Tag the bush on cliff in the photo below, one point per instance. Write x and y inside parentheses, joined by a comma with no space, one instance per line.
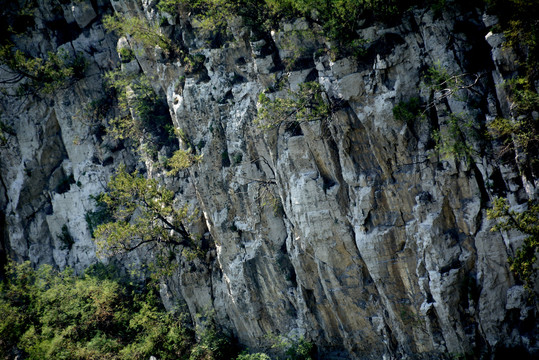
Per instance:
(48,314)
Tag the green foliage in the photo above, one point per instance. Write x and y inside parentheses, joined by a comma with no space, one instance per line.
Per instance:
(18,16)
(99,216)
(438,78)
(237,158)
(211,15)
(5,131)
(126,55)
(523,95)
(526,222)
(142,213)
(407,111)
(294,348)
(456,131)
(180,160)
(520,133)
(338,18)
(56,315)
(518,20)
(454,140)
(138,29)
(212,344)
(169,6)
(300,350)
(306,104)
(193,63)
(38,75)
(255,356)
(144,115)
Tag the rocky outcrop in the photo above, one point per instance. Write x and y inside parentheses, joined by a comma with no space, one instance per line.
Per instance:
(350,232)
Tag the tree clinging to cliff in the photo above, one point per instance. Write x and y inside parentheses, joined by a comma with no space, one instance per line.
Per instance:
(142,213)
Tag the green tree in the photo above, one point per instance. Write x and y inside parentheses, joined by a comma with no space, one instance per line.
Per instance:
(255,356)
(143,212)
(40,75)
(56,315)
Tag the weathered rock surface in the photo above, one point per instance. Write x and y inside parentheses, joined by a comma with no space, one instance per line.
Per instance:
(349,232)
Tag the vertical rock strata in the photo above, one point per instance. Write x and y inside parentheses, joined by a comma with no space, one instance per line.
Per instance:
(349,232)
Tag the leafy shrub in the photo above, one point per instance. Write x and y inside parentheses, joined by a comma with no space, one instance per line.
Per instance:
(138,29)
(180,160)
(126,54)
(193,63)
(521,132)
(306,104)
(438,78)
(454,140)
(518,20)
(293,348)
(169,6)
(144,113)
(338,18)
(99,216)
(526,222)
(56,315)
(255,356)
(407,111)
(212,344)
(300,350)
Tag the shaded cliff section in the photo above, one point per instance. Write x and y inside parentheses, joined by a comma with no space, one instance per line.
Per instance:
(350,232)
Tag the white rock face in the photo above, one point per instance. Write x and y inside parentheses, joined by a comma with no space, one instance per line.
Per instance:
(349,232)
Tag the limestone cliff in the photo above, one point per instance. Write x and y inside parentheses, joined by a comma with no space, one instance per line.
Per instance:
(350,231)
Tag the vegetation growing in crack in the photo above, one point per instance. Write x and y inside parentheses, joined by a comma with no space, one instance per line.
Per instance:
(144,116)
(140,30)
(455,140)
(520,134)
(408,111)
(24,71)
(456,133)
(526,222)
(6,131)
(180,160)
(308,103)
(518,21)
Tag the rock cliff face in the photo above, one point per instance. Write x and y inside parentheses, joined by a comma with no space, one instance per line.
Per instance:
(348,231)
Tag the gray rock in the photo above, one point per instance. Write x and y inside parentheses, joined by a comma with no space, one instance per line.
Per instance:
(350,231)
